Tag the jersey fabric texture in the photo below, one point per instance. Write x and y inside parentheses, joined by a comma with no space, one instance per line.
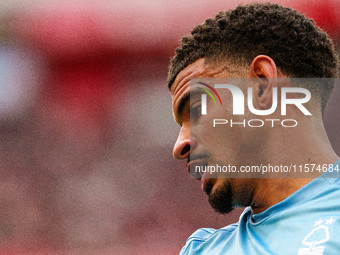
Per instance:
(306,222)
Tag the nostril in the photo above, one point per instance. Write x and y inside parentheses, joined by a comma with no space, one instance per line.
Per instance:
(185,149)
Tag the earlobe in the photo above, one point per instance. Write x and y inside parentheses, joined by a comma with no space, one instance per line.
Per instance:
(264,74)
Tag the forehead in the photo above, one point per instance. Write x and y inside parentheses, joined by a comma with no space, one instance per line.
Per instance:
(181,85)
(198,69)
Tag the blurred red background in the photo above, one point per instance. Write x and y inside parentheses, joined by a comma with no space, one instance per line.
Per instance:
(87,131)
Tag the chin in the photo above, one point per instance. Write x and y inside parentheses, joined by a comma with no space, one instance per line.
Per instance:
(221,199)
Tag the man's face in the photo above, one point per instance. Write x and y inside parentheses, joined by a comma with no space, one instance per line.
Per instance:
(201,144)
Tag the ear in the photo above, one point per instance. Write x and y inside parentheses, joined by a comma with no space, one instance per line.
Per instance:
(264,73)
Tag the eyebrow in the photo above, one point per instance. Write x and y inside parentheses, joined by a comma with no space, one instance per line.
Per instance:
(184,100)
(182,103)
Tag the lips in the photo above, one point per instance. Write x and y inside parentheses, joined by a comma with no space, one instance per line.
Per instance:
(195,168)
(207,185)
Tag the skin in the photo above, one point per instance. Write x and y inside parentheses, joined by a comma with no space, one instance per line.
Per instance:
(264,145)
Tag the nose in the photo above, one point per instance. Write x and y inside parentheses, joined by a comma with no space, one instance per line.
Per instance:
(183,145)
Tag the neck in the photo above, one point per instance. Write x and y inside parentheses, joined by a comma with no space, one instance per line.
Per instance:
(306,144)
(273,191)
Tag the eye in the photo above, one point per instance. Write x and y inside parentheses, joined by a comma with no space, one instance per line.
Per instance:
(195,111)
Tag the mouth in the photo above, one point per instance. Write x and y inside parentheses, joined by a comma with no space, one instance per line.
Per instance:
(198,171)
(207,185)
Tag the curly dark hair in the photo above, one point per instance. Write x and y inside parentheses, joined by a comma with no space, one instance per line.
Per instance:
(299,48)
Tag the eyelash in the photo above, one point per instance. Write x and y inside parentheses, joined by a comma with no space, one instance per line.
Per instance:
(195,112)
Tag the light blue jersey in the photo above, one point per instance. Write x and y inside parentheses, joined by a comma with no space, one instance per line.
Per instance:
(307,222)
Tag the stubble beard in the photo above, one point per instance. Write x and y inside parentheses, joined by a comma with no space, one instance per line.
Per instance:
(222,199)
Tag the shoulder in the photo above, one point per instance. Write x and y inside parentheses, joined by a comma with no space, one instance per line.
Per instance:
(203,239)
